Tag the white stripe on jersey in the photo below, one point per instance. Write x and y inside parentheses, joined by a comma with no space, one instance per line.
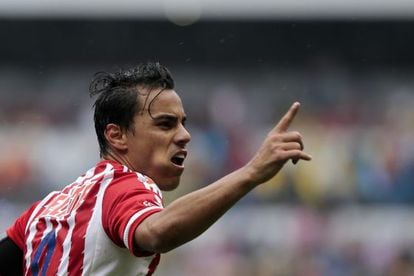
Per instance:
(134,218)
(64,265)
(49,226)
(93,226)
(87,175)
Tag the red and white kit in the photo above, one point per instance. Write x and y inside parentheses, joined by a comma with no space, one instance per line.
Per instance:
(88,227)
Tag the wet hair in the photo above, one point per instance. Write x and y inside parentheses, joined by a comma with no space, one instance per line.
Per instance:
(118,101)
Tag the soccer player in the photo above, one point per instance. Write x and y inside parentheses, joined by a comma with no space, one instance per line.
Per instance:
(112,220)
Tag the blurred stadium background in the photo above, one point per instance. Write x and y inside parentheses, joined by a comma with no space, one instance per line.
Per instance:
(238,67)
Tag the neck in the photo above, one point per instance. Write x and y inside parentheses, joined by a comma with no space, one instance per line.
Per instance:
(118,158)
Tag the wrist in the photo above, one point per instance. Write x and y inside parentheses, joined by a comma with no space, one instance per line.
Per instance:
(249,176)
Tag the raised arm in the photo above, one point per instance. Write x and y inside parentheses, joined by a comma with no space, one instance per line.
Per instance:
(189,216)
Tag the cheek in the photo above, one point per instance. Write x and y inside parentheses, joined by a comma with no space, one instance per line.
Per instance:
(150,147)
(153,150)
(141,147)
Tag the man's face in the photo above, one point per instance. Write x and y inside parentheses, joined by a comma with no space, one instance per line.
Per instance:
(156,147)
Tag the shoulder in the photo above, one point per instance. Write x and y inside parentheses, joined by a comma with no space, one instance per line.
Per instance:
(125,181)
(123,174)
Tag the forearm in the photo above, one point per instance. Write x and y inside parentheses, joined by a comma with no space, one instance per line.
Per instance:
(189,216)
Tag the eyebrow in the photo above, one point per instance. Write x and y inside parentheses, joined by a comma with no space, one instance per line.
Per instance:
(169,117)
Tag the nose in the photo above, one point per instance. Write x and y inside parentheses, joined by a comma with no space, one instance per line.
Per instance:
(183,137)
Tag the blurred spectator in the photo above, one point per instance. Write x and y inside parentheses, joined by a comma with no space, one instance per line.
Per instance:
(359,129)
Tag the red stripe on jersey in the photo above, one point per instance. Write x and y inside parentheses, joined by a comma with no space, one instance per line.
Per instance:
(62,231)
(40,229)
(153,265)
(82,218)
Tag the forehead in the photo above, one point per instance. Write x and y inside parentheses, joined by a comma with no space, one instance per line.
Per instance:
(166,101)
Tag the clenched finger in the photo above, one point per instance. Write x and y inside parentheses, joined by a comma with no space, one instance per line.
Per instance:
(296,154)
(292,146)
(292,136)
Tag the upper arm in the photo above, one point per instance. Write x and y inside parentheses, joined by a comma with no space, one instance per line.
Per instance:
(127,203)
(147,236)
(11,258)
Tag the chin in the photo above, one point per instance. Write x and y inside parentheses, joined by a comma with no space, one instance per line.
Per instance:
(168,185)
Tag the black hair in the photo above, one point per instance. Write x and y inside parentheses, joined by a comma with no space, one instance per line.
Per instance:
(117,101)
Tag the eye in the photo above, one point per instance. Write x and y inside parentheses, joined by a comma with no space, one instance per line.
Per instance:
(166,125)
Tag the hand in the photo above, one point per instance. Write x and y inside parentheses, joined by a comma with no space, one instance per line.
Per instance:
(278,147)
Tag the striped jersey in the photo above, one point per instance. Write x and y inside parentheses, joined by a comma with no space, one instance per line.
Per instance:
(88,227)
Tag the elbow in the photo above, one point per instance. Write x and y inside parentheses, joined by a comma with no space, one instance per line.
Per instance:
(159,244)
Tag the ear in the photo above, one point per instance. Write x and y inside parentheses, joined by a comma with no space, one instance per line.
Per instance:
(116,137)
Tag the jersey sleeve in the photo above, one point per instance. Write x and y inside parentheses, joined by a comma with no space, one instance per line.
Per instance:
(16,231)
(127,201)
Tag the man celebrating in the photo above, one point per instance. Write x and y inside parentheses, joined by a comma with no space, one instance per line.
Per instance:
(111,220)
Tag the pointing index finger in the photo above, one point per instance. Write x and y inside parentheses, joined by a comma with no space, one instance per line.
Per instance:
(287,119)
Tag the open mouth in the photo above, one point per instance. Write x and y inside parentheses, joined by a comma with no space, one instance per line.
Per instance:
(178,159)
